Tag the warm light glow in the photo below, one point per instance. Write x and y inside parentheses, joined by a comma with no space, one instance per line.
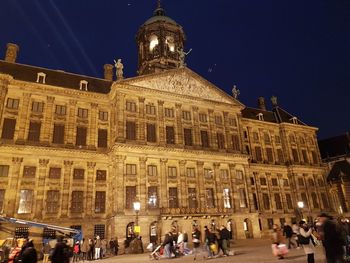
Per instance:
(153,42)
(301,204)
(137,205)
(170,42)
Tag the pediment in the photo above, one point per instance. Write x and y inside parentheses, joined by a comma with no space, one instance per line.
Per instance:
(184,82)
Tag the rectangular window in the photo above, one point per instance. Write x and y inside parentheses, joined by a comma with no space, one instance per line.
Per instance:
(224,175)
(285,182)
(289,201)
(280,156)
(295,155)
(270,223)
(267,138)
(29,171)
(101,175)
(150,109)
(305,158)
(169,112)
(37,106)
(300,181)
(52,201)
(153,197)
(208,174)
(58,133)
(277,139)
(266,201)
(82,113)
(255,136)
(170,135)
(131,106)
(2,199)
(60,110)
(103,115)
(274,182)
(130,130)
(172,172)
(4,170)
(34,131)
(81,136)
(49,233)
(55,173)
(100,202)
(252,181)
(255,202)
(239,174)
(192,198)
(8,129)
(151,132)
(12,103)
(278,201)
(232,122)
(258,153)
(210,197)
(102,138)
(320,182)
(204,139)
(304,199)
(78,174)
(22,232)
(100,230)
(242,198)
(314,200)
(226,197)
(131,170)
(186,115)
(221,140)
(218,120)
(25,202)
(235,142)
(324,201)
(77,202)
(173,199)
(203,117)
(188,137)
(314,157)
(191,172)
(269,155)
(152,170)
(263,181)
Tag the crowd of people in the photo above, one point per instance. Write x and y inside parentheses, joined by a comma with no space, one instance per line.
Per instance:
(332,234)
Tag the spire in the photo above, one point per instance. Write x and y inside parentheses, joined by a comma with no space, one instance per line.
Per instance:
(158,4)
(159,11)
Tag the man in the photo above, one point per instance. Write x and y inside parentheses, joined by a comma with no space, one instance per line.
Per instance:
(224,239)
(61,253)
(168,245)
(333,239)
(288,233)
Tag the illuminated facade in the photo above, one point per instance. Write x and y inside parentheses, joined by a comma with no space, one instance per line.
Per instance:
(78,151)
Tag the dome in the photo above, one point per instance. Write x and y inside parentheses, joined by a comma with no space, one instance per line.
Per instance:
(159,16)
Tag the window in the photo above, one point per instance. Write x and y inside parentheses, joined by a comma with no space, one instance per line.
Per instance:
(235,142)
(188,137)
(8,129)
(60,110)
(29,171)
(266,201)
(83,85)
(306,159)
(291,138)
(78,174)
(285,182)
(170,135)
(239,174)
(191,172)
(130,196)
(100,202)
(102,138)
(81,136)
(55,173)
(37,106)
(170,43)
(221,140)
(274,182)
(203,117)
(2,199)
(186,115)
(130,130)
(255,136)
(101,175)
(295,155)
(314,157)
(169,112)
(204,139)
(152,197)
(152,170)
(289,201)
(270,223)
(131,106)
(267,138)
(324,201)
(260,116)
(131,170)
(150,109)
(302,140)
(172,172)
(218,120)
(294,120)
(4,170)
(300,181)
(278,201)
(280,156)
(52,201)
(255,202)
(320,182)
(153,42)
(151,132)
(99,230)
(58,133)
(269,155)
(192,198)
(263,181)
(245,135)
(12,103)
(25,201)
(40,77)
(49,233)
(304,199)
(252,181)
(311,182)
(210,198)
(314,200)
(232,122)
(34,131)
(22,232)
(208,174)
(103,115)
(277,139)
(82,113)
(173,200)
(242,198)
(226,197)
(258,154)
(224,175)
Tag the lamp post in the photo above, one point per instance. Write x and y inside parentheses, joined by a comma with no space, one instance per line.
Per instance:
(137,206)
(301,206)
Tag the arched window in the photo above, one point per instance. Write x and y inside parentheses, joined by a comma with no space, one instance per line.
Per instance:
(170,42)
(153,42)
(314,200)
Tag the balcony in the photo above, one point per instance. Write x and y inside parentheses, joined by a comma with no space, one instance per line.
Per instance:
(184,211)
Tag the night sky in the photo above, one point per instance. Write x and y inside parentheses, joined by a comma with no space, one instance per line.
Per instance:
(297,50)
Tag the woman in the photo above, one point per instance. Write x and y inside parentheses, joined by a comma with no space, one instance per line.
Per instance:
(309,248)
(277,240)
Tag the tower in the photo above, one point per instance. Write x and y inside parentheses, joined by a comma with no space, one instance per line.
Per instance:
(160,41)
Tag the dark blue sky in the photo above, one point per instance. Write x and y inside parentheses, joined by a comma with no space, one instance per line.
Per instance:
(297,50)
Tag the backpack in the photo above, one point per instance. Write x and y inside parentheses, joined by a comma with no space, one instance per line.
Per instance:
(303,240)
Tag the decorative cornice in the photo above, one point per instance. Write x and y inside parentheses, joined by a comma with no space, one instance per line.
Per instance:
(44,162)
(17,160)
(91,165)
(68,163)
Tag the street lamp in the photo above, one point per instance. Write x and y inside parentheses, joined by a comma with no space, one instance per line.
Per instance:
(301,206)
(137,206)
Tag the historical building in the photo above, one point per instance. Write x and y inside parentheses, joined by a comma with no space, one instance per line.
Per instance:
(78,151)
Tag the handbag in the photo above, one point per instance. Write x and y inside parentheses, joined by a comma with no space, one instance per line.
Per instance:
(303,240)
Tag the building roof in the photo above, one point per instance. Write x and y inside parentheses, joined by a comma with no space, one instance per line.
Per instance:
(339,169)
(159,16)
(335,147)
(54,77)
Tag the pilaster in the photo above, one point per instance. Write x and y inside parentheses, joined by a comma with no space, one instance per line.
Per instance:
(23,118)
(66,187)
(179,129)
(89,206)
(164,184)
(71,126)
(47,125)
(182,183)
(200,181)
(120,186)
(212,131)
(92,144)
(196,132)
(120,118)
(142,183)
(141,128)
(161,122)
(13,194)
(40,188)
(218,190)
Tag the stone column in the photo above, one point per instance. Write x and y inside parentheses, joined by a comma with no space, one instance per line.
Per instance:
(71,124)
(120,185)
(161,127)
(228,140)
(200,183)
(40,186)
(12,192)
(23,118)
(89,206)
(196,131)
(47,127)
(120,118)
(183,186)
(142,180)
(92,129)
(179,133)
(218,188)
(66,187)
(163,184)
(235,193)
(212,132)
(141,128)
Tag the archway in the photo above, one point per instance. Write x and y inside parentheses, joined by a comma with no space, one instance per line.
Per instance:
(248,229)
(129,233)
(153,232)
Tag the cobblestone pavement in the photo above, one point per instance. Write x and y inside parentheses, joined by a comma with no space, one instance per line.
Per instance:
(246,251)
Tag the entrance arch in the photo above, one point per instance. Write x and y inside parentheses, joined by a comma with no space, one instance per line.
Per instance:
(129,233)
(248,228)
(153,232)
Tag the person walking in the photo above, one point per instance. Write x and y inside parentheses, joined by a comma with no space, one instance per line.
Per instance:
(296,232)
(91,249)
(61,253)
(277,240)
(84,248)
(196,240)
(29,254)
(306,241)
(97,247)
(288,233)
(168,245)
(224,239)
(46,252)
